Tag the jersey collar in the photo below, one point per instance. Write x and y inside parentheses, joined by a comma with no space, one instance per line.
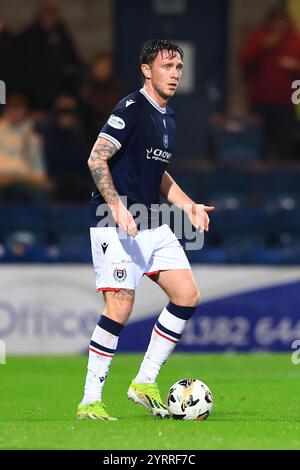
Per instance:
(151,101)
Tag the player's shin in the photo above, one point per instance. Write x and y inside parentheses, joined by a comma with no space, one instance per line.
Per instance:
(103,345)
(166,334)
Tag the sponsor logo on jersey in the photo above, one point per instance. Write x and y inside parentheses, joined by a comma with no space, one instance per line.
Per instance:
(116,122)
(120,274)
(158,154)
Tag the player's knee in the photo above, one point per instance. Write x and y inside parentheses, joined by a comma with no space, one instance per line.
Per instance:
(119,305)
(188,299)
(118,313)
(193,299)
(120,316)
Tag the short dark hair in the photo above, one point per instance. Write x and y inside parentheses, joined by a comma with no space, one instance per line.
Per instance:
(152,48)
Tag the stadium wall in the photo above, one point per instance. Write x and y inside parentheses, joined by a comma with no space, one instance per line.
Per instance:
(54,309)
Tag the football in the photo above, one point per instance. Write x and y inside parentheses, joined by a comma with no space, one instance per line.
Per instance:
(190,399)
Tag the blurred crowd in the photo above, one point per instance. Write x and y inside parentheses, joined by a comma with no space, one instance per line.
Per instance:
(54,109)
(270,62)
(56,104)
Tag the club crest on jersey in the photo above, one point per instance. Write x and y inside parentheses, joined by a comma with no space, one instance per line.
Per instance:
(166,141)
(116,122)
(120,274)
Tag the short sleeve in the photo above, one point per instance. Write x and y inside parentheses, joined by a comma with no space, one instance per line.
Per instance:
(120,124)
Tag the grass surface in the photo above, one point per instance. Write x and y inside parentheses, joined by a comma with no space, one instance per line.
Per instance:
(256,404)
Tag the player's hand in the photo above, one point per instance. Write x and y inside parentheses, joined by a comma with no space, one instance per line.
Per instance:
(199,217)
(124,218)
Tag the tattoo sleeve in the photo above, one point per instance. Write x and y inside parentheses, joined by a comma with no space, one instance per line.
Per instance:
(102,151)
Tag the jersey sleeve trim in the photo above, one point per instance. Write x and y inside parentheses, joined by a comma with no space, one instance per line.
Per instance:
(111,139)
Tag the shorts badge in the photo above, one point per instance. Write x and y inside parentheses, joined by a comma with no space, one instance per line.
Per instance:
(120,274)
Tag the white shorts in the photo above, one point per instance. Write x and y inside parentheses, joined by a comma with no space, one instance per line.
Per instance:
(120,263)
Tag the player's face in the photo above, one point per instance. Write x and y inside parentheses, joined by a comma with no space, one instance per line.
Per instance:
(166,72)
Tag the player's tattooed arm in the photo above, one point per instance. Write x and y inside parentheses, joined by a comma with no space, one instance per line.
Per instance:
(102,151)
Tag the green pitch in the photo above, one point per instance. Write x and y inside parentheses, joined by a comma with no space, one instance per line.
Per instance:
(256,404)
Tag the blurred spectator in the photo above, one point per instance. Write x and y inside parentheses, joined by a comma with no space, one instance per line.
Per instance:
(47,58)
(66,150)
(7,44)
(270,60)
(22,169)
(99,95)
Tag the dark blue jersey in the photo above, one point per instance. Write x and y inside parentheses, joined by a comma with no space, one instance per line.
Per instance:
(144,134)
